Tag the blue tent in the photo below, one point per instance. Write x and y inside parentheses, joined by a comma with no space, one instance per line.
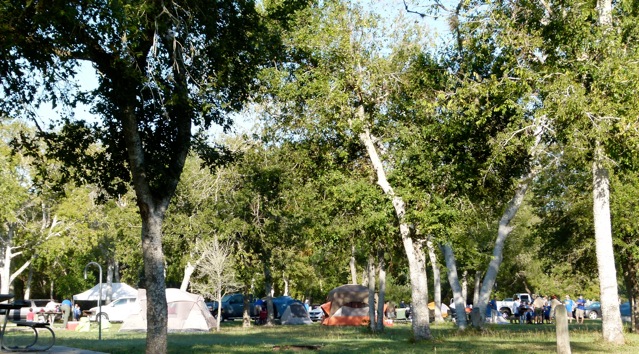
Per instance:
(281,303)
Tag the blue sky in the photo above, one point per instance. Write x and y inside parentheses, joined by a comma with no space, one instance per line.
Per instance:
(87,77)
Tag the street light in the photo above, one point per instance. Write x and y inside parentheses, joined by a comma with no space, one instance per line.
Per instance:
(97,317)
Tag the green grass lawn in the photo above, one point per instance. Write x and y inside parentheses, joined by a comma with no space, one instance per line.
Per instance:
(235,339)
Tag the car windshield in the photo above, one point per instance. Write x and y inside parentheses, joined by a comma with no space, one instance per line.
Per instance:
(226,297)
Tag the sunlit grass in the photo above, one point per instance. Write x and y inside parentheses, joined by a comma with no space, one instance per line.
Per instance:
(233,338)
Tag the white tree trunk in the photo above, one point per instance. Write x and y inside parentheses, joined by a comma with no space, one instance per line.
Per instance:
(414,253)
(286,281)
(371,292)
(188,272)
(612,328)
(464,285)
(502,233)
(505,228)
(352,266)
(460,302)
(436,282)
(382,293)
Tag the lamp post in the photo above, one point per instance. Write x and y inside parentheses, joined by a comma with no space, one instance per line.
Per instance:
(97,317)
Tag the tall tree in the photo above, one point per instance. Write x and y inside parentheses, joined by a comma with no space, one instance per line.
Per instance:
(164,67)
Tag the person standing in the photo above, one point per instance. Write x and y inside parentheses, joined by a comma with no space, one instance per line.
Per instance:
(66,311)
(553,307)
(581,309)
(570,305)
(538,306)
(77,312)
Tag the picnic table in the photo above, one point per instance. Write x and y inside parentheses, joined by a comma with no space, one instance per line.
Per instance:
(14,340)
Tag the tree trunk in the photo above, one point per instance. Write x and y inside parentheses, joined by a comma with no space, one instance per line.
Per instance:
(478,277)
(188,272)
(503,231)
(352,266)
(382,292)
(268,288)
(629,266)
(246,310)
(460,302)
(156,305)
(436,282)
(371,292)
(611,325)
(612,328)
(219,307)
(285,279)
(464,286)
(414,252)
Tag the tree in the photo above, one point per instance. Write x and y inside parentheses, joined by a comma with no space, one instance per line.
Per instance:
(338,84)
(164,67)
(215,272)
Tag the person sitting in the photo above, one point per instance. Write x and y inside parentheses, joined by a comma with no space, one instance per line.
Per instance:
(30,315)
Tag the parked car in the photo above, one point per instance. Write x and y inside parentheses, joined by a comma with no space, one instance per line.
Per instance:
(316,313)
(233,307)
(593,311)
(35,304)
(117,311)
(212,306)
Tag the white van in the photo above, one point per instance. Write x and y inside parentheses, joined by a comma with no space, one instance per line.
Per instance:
(117,311)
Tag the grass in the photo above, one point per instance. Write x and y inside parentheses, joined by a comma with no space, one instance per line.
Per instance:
(233,338)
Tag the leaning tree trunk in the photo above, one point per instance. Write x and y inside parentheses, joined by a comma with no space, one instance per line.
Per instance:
(453,279)
(186,278)
(414,252)
(504,227)
(371,292)
(436,282)
(612,328)
(502,233)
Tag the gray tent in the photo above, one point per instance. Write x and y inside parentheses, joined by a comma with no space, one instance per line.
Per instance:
(187,313)
(295,314)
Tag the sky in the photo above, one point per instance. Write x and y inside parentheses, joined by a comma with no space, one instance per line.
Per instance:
(87,77)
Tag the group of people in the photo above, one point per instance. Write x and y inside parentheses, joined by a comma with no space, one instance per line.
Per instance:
(542,309)
(52,309)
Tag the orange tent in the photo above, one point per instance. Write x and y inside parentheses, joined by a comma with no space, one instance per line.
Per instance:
(347,306)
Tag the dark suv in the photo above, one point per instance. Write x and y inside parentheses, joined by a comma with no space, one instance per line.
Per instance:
(233,307)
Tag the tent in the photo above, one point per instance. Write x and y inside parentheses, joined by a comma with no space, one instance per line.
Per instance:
(347,306)
(295,314)
(186,313)
(281,303)
(118,290)
(444,308)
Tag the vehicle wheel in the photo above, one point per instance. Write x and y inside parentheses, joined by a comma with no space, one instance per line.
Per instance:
(102,316)
(505,314)
(593,315)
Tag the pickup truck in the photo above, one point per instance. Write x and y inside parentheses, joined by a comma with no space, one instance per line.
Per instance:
(507,306)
